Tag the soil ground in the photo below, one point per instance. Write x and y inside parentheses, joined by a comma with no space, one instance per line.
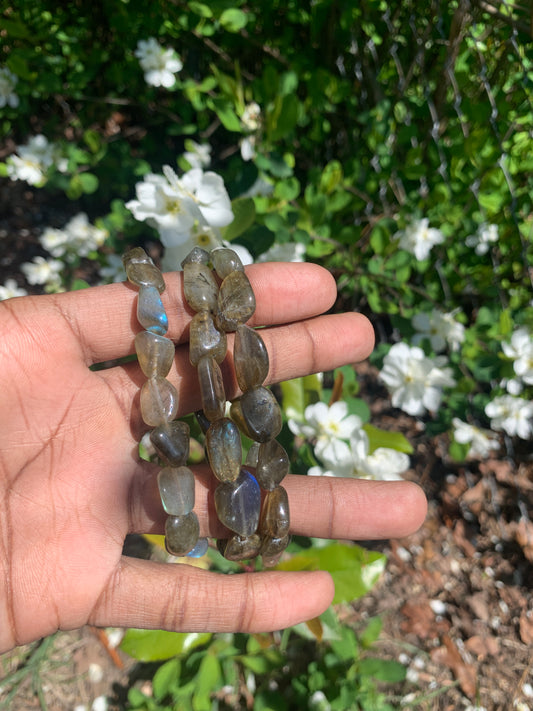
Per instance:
(455,598)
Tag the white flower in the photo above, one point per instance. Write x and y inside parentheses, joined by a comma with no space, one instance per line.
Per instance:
(113,269)
(197,155)
(33,160)
(418,238)
(261,187)
(43,271)
(440,328)
(414,380)
(77,239)
(159,64)
(329,425)
(54,241)
(482,442)
(251,116)
(10,289)
(383,464)
(520,349)
(175,206)
(8,82)
(511,414)
(247,146)
(288,252)
(483,238)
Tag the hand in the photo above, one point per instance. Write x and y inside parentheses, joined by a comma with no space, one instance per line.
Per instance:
(72,485)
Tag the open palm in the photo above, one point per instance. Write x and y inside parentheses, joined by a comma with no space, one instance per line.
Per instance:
(72,485)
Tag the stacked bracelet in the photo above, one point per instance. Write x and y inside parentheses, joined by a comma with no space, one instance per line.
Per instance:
(249,500)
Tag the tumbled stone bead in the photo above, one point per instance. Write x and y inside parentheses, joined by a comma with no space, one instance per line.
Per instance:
(145,274)
(197,255)
(151,313)
(136,254)
(272,464)
(238,504)
(251,457)
(155,353)
(200,549)
(239,547)
(236,301)
(171,441)
(159,401)
(257,414)
(250,358)
(211,388)
(273,546)
(200,287)
(225,261)
(181,533)
(275,519)
(206,339)
(176,488)
(224,449)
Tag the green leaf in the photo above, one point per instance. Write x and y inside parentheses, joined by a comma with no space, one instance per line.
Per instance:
(88,182)
(155,645)
(209,677)
(382,669)
(14,28)
(136,698)
(371,632)
(226,113)
(331,177)
(200,9)
(233,19)
(389,440)
(354,570)
(165,677)
(244,211)
(78,284)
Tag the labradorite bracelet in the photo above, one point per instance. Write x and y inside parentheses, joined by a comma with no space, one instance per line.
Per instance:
(249,500)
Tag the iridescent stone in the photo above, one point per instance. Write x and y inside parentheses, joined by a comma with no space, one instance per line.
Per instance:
(200,549)
(211,388)
(274,546)
(236,301)
(250,358)
(239,547)
(206,339)
(151,313)
(251,457)
(272,464)
(224,449)
(225,261)
(155,353)
(257,414)
(176,488)
(145,274)
(197,255)
(275,519)
(159,401)
(181,533)
(238,504)
(171,442)
(136,255)
(200,287)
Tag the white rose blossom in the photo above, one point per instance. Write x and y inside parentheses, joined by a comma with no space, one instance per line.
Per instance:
(8,82)
(329,426)
(483,238)
(159,64)
(10,289)
(481,441)
(415,381)
(513,415)
(440,328)
(418,238)
(520,350)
